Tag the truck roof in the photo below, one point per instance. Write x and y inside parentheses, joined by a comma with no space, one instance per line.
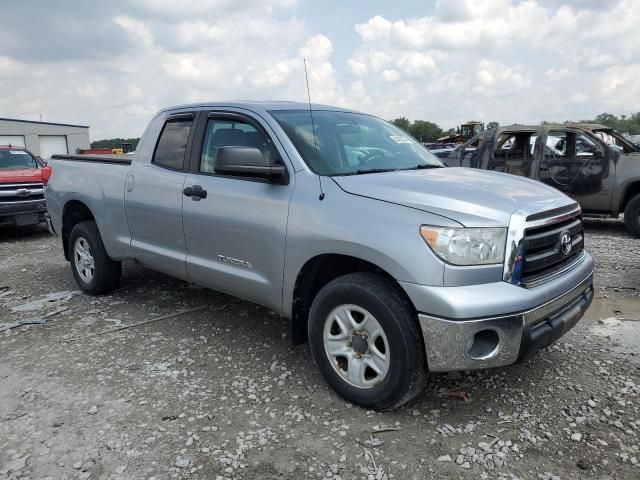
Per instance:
(260,106)
(591,127)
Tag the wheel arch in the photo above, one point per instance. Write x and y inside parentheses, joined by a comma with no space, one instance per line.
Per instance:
(73,212)
(315,274)
(630,191)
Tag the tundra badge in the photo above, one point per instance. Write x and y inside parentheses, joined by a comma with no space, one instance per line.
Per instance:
(234,261)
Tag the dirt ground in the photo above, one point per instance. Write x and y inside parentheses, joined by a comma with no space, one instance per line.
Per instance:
(218,392)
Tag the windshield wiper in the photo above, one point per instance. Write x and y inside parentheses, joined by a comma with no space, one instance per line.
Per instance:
(372,170)
(383,170)
(423,167)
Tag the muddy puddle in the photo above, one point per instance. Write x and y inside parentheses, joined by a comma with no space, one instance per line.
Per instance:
(624,333)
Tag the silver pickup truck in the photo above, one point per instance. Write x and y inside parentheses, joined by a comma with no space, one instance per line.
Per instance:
(388,264)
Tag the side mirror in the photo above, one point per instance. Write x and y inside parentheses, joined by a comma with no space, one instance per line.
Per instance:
(246,162)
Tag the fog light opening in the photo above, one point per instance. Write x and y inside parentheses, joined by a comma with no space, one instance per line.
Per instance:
(484,345)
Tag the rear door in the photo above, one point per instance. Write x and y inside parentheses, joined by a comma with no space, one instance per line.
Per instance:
(577,164)
(235,236)
(153,196)
(513,151)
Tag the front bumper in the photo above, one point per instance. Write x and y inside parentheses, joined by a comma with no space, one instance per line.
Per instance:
(9,211)
(506,338)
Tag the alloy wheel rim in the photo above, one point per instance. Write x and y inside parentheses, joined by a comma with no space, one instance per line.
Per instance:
(83,258)
(356,346)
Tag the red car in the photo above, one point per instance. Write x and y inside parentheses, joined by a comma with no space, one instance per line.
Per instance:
(23,178)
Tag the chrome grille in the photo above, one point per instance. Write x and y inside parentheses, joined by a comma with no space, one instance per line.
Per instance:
(543,252)
(21,193)
(534,251)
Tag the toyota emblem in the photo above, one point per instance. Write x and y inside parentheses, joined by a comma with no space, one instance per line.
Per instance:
(566,244)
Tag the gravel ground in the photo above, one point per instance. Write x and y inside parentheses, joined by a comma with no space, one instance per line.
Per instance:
(218,392)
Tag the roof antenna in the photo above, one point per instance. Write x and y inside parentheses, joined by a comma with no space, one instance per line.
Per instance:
(313,127)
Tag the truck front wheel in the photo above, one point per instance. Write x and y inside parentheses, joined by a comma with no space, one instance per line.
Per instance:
(94,271)
(632,216)
(364,337)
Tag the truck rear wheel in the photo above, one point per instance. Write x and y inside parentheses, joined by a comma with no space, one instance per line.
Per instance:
(94,271)
(632,216)
(364,337)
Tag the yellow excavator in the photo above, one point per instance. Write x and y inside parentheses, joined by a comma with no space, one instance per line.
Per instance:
(463,133)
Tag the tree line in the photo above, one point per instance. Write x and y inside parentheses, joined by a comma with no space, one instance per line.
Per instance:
(115,143)
(623,124)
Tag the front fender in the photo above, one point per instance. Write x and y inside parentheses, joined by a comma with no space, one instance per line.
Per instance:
(383,234)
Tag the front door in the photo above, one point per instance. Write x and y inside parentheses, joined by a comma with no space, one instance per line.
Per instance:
(235,227)
(153,197)
(576,164)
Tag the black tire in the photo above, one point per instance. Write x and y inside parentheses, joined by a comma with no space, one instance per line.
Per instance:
(106,272)
(632,216)
(380,296)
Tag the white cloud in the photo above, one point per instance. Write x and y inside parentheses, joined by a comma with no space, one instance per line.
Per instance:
(376,28)
(9,66)
(620,88)
(390,76)
(511,60)
(496,79)
(506,60)
(579,98)
(556,73)
(197,8)
(138,30)
(247,51)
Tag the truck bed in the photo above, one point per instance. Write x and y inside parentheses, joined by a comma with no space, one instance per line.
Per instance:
(97,181)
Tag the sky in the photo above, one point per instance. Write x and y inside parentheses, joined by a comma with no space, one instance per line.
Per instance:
(113,64)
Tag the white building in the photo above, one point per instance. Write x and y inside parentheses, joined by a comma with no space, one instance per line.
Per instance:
(43,138)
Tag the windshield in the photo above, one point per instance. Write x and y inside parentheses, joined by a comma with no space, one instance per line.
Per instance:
(351,143)
(11,159)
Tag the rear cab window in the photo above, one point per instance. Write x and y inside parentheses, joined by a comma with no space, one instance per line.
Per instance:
(172,144)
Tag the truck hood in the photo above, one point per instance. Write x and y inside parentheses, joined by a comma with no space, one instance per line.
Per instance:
(21,175)
(474,198)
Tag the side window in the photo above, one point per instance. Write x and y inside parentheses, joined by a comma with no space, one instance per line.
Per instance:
(586,147)
(172,144)
(513,153)
(558,144)
(230,132)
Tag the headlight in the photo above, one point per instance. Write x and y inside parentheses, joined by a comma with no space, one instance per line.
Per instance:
(466,246)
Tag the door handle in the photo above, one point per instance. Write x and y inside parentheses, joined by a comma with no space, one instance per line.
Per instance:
(129,182)
(195,191)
